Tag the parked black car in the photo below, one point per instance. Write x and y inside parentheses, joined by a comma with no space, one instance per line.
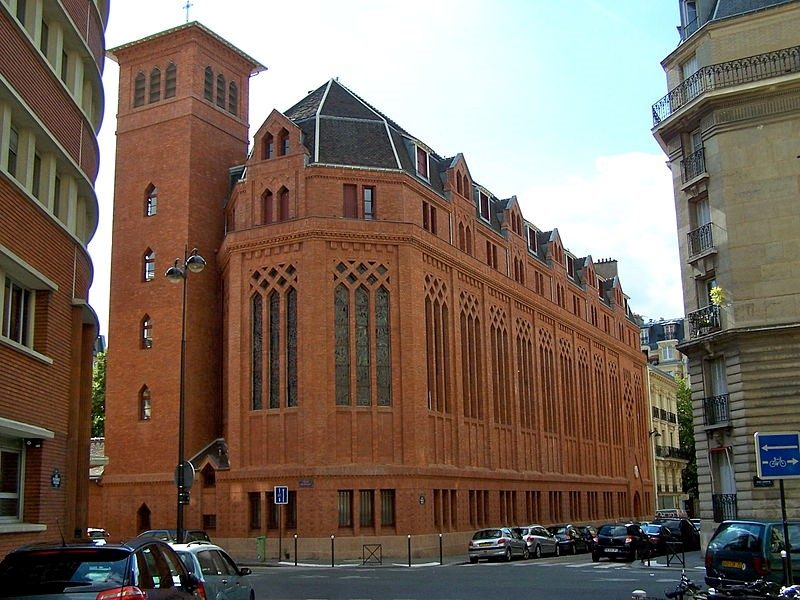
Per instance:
(659,535)
(618,540)
(588,533)
(682,530)
(569,540)
(141,568)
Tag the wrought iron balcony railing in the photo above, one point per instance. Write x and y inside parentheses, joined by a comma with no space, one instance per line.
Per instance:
(727,74)
(700,240)
(716,410)
(704,321)
(672,417)
(693,165)
(724,507)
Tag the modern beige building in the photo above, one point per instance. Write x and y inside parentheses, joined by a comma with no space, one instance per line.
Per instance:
(730,126)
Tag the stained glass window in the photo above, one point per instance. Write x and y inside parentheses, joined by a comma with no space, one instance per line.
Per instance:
(291,347)
(383,352)
(258,356)
(363,383)
(274,349)
(341,303)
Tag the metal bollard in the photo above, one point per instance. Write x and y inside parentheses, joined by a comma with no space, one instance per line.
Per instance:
(295,549)
(331,550)
(409,550)
(441,560)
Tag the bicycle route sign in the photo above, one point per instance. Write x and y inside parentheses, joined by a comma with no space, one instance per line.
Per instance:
(778,454)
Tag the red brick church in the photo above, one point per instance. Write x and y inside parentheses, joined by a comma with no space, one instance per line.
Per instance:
(375,330)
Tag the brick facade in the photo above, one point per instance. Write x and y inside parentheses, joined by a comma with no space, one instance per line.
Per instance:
(400,378)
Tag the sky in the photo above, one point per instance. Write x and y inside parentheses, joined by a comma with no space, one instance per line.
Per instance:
(548,101)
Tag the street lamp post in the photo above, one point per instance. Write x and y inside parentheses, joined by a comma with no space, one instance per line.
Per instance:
(178,273)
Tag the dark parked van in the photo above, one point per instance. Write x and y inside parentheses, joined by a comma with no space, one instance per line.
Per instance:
(748,550)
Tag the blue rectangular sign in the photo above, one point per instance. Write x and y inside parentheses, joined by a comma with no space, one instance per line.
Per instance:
(281,494)
(778,454)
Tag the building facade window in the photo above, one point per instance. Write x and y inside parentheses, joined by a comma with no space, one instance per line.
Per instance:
(366,508)
(208,84)
(266,207)
(155,86)
(149,271)
(171,81)
(368,204)
(233,98)
(483,205)
(362,335)
(147,332)
(151,201)
(11,461)
(345,504)
(254,506)
(273,307)
(429,217)
(350,207)
(37,175)
(18,303)
(13,151)
(422,163)
(387,508)
(145,404)
(138,89)
(283,142)
(221,90)
(283,204)
(268,147)
(437,345)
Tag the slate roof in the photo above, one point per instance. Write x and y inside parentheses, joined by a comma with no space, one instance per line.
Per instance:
(731,8)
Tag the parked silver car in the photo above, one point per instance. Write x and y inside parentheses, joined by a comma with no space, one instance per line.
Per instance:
(539,540)
(219,576)
(497,542)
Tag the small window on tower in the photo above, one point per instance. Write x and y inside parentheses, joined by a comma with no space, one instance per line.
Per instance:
(138,90)
(155,85)
(221,90)
(145,404)
(208,85)
(147,332)
(151,201)
(171,82)
(149,265)
(422,163)
(233,98)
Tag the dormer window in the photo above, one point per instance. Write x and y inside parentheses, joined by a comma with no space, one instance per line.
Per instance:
(269,147)
(571,267)
(484,205)
(283,142)
(533,245)
(422,163)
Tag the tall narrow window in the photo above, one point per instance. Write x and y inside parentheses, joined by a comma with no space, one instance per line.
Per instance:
(208,84)
(233,98)
(369,202)
(22,8)
(149,265)
(155,85)
(291,347)
(422,163)
(266,207)
(147,332)
(150,201)
(284,142)
(283,205)
(387,508)
(383,353)
(363,370)
(350,205)
(268,147)
(13,151)
(345,508)
(342,341)
(366,508)
(254,504)
(145,404)
(171,81)
(44,39)
(256,318)
(64,65)
(57,197)
(17,313)
(274,308)
(221,90)
(484,205)
(138,89)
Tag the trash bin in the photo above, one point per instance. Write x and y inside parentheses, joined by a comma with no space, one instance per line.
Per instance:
(261,548)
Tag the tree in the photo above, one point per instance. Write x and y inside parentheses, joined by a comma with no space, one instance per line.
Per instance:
(99,395)
(686,436)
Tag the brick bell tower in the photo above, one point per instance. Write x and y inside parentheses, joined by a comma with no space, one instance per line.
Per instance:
(182,122)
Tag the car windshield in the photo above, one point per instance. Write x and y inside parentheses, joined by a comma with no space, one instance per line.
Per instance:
(61,570)
(557,529)
(487,534)
(523,530)
(738,537)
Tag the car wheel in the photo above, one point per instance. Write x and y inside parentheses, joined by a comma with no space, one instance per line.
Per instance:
(538,552)
(558,550)
(252,595)
(508,555)
(473,559)
(526,554)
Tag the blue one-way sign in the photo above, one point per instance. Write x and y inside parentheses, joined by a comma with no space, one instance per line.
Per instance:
(778,454)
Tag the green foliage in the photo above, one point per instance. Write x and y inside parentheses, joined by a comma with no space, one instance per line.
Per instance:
(686,435)
(99,395)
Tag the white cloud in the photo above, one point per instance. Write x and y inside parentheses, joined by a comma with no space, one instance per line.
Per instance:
(623,210)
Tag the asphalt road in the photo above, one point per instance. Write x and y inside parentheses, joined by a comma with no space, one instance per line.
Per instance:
(564,578)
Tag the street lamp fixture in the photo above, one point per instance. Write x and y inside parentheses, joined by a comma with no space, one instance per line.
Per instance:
(177,273)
